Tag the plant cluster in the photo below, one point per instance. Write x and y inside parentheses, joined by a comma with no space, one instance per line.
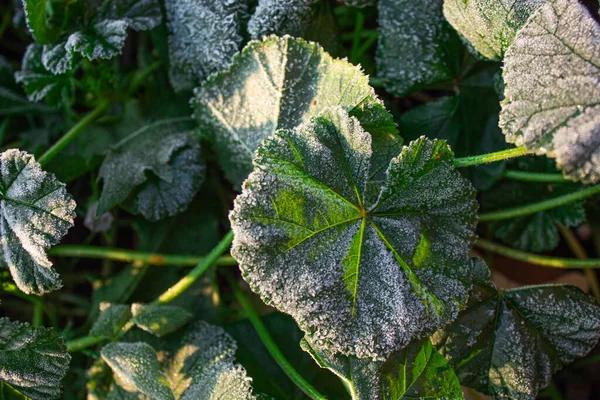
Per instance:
(352,155)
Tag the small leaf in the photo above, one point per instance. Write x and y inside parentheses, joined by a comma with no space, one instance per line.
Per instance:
(12,101)
(167,150)
(159,319)
(508,344)
(36,212)
(489,26)
(34,361)
(551,74)
(204,37)
(39,83)
(47,19)
(362,278)
(417,48)
(111,320)
(274,84)
(137,368)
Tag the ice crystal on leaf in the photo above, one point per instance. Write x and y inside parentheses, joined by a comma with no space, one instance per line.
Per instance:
(552,74)
(362,275)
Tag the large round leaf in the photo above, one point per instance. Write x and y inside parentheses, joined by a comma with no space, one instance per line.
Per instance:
(361,277)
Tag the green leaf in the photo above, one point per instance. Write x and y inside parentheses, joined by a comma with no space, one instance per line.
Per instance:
(507,344)
(48,19)
(199,47)
(111,320)
(34,361)
(361,277)
(551,73)
(39,83)
(309,19)
(536,232)
(159,319)
(12,101)
(489,26)
(167,150)
(137,368)
(417,48)
(274,84)
(418,371)
(36,213)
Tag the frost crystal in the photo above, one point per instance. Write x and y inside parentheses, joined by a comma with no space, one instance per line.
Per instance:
(489,26)
(361,278)
(36,212)
(552,75)
(204,37)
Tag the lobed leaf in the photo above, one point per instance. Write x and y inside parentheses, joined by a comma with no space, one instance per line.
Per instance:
(36,212)
(159,319)
(167,150)
(508,344)
(34,361)
(204,37)
(12,101)
(361,275)
(489,26)
(274,84)
(552,93)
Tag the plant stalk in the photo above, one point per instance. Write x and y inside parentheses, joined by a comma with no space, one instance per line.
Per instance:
(72,133)
(534,176)
(267,340)
(544,261)
(490,157)
(540,206)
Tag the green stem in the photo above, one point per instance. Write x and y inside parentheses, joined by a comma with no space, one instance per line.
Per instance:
(540,206)
(83,342)
(36,320)
(534,176)
(360,19)
(194,274)
(267,340)
(544,261)
(490,157)
(72,133)
(123,255)
(142,76)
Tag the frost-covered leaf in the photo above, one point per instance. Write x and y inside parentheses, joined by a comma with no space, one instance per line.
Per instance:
(535,232)
(507,344)
(32,361)
(104,34)
(161,163)
(362,275)
(138,369)
(203,367)
(111,320)
(204,37)
(36,212)
(489,26)
(417,47)
(360,3)
(309,19)
(48,19)
(552,93)
(274,84)
(38,82)
(159,319)
(418,371)
(12,101)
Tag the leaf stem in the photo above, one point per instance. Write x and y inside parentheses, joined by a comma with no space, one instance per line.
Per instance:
(194,274)
(534,176)
(580,253)
(142,76)
(124,255)
(490,157)
(267,340)
(36,320)
(544,261)
(72,133)
(540,206)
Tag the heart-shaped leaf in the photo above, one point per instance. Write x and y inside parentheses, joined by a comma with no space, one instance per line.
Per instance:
(362,275)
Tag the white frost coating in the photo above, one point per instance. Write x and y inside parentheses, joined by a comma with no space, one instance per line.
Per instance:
(138,369)
(203,367)
(552,75)
(307,244)
(489,26)
(204,37)
(35,213)
(159,319)
(33,361)
(410,53)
